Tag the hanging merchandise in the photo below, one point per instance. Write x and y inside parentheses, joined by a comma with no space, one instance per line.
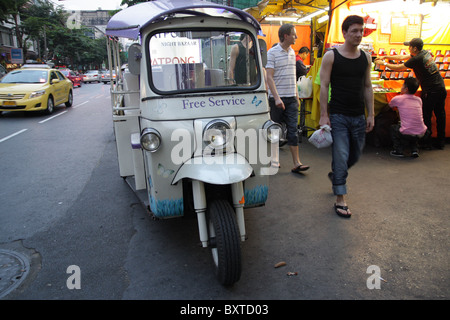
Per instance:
(369,25)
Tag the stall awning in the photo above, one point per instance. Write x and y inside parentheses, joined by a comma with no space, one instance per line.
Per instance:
(264,9)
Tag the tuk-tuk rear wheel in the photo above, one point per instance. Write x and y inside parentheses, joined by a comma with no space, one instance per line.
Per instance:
(224,241)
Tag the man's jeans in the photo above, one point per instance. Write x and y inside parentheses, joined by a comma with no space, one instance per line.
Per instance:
(349,134)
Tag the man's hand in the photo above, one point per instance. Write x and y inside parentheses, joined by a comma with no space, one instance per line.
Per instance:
(370,123)
(324,120)
(279,103)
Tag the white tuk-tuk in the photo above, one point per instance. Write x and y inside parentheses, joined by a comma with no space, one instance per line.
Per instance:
(189,133)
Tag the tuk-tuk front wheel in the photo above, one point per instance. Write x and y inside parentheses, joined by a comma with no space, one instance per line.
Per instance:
(224,241)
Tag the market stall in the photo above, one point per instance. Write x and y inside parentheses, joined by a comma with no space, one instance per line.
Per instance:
(303,37)
(388,25)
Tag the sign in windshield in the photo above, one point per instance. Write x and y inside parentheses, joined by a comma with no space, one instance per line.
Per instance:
(202,60)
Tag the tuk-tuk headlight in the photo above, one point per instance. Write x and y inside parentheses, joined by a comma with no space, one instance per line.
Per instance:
(272,131)
(215,133)
(150,139)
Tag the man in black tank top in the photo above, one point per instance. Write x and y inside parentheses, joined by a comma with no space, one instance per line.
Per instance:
(347,70)
(242,62)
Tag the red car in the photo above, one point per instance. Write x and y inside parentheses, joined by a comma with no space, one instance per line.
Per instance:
(72,76)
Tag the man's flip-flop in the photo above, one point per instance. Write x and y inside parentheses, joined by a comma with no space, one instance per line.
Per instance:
(344,208)
(300,168)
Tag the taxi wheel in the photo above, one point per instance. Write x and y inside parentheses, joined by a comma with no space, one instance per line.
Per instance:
(50,105)
(69,100)
(224,241)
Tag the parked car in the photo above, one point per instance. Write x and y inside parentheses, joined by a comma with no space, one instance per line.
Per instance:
(106,76)
(91,76)
(72,76)
(34,89)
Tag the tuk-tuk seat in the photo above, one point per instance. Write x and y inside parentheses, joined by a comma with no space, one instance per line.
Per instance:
(131,83)
(214,78)
(170,77)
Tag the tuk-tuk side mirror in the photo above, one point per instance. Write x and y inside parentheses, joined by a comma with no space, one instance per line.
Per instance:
(263,51)
(134,59)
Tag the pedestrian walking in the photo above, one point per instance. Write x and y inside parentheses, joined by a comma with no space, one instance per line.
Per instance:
(347,69)
(283,93)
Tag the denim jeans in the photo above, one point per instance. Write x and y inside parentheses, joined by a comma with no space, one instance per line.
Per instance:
(349,135)
(289,116)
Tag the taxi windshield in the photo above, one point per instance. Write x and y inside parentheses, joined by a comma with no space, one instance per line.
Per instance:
(202,61)
(25,76)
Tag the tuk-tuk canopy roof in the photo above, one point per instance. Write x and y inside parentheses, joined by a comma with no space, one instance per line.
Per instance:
(127,23)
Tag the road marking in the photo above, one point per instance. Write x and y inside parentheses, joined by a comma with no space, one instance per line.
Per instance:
(12,135)
(79,105)
(57,115)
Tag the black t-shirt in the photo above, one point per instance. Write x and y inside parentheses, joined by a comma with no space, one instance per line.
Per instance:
(426,71)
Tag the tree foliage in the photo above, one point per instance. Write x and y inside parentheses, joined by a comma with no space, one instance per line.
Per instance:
(42,22)
(132,2)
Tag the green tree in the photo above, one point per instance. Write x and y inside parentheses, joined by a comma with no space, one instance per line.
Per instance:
(10,11)
(45,24)
(9,8)
(132,2)
(37,20)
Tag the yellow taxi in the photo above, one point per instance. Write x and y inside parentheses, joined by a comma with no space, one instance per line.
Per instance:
(34,89)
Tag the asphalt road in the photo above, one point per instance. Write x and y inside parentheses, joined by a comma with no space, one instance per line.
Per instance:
(63,204)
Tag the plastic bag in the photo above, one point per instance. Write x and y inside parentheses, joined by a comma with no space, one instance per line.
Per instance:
(304,85)
(321,138)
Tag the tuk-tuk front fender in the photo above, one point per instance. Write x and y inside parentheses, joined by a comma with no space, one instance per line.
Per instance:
(226,169)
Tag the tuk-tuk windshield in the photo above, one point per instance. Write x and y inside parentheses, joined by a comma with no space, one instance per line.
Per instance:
(202,60)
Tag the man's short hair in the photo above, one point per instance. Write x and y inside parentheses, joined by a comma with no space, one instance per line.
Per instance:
(353,19)
(303,49)
(285,29)
(412,84)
